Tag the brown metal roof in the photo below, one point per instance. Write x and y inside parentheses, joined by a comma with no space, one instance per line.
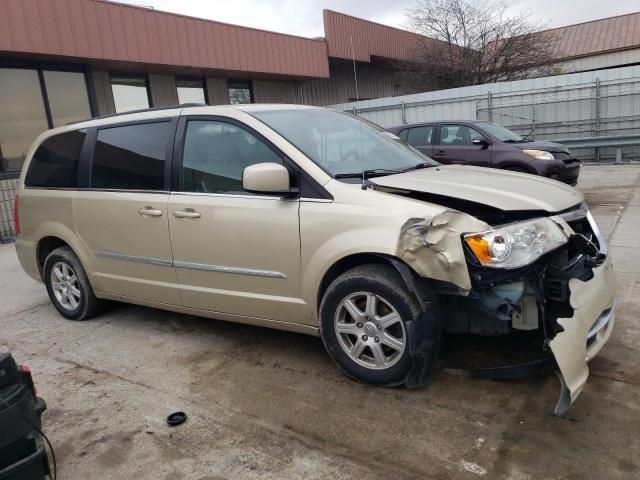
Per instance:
(596,37)
(104,31)
(369,38)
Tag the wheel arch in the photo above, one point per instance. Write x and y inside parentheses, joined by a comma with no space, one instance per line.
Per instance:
(355,260)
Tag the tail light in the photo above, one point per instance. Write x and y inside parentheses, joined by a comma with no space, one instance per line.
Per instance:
(16,216)
(25,374)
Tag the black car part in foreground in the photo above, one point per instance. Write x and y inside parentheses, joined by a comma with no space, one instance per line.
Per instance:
(22,452)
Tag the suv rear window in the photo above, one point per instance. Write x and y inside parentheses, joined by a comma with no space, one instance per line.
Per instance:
(55,162)
(131,157)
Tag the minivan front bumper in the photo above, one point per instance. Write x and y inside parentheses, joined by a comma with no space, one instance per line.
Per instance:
(585,333)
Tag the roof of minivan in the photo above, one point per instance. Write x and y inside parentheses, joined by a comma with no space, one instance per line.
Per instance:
(164,112)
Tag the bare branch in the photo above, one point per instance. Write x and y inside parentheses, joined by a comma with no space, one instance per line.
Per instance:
(472,42)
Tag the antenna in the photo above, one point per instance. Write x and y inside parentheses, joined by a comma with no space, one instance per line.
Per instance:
(355,73)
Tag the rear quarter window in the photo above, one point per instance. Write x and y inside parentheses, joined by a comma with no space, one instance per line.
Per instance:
(55,161)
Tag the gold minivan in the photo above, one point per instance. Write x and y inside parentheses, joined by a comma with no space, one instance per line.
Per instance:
(314,221)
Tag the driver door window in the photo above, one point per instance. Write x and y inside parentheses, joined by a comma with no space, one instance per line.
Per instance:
(215,155)
(460,135)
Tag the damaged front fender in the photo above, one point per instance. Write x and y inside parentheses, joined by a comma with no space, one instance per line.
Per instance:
(432,246)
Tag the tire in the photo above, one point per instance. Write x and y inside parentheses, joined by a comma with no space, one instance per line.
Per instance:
(380,285)
(72,294)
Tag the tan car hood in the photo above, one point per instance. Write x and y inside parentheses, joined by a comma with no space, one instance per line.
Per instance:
(500,189)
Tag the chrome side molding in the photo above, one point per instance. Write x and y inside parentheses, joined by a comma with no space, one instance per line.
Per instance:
(191,265)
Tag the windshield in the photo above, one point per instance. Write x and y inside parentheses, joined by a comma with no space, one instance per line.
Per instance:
(341,143)
(500,132)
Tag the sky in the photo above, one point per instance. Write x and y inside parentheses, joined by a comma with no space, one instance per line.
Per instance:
(304,17)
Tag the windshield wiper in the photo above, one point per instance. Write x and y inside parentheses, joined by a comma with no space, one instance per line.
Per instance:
(381,171)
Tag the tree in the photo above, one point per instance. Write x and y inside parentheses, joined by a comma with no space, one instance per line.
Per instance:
(470,42)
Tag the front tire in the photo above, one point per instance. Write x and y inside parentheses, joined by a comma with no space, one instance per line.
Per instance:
(68,286)
(365,318)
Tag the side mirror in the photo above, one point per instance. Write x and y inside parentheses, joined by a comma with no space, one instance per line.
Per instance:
(268,177)
(479,141)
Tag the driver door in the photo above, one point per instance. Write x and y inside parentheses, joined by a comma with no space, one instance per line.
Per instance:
(454,145)
(234,251)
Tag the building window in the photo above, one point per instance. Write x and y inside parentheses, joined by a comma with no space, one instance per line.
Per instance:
(33,100)
(240,92)
(131,157)
(23,116)
(130,93)
(67,95)
(191,90)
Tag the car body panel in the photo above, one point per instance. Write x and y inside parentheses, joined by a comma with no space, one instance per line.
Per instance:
(241,256)
(500,189)
(130,252)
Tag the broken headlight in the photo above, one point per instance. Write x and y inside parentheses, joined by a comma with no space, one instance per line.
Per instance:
(516,244)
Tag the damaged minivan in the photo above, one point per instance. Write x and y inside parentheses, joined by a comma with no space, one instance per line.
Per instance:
(314,221)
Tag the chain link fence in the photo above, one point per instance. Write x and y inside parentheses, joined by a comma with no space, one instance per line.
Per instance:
(584,111)
(7,195)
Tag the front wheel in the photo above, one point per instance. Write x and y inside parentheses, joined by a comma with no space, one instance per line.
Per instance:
(364,323)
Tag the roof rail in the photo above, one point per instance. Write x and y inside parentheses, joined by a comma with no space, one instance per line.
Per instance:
(142,110)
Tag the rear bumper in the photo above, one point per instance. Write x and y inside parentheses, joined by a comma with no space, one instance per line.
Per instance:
(26,252)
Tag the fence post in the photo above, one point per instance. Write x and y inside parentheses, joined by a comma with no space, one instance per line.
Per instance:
(489,106)
(402,113)
(597,119)
(533,120)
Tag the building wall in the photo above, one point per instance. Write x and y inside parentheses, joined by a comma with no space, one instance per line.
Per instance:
(217,91)
(163,90)
(104,96)
(607,60)
(374,81)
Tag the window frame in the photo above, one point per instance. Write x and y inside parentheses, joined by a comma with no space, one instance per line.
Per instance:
(40,67)
(85,169)
(309,189)
(147,86)
(249,84)
(203,82)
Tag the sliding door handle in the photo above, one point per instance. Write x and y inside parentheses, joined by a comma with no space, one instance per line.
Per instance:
(150,212)
(188,213)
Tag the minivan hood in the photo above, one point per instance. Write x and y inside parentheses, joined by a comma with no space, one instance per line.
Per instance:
(540,145)
(501,189)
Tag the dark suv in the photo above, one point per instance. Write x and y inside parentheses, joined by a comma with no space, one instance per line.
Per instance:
(487,144)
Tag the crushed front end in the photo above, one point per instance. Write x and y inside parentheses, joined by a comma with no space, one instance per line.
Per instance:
(567,294)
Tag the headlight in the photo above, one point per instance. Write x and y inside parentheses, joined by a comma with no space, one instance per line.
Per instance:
(516,244)
(539,154)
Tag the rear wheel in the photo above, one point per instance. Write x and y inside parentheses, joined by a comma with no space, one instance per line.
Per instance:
(364,317)
(68,286)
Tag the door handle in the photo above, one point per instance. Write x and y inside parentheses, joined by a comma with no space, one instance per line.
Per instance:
(188,213)
(441,152)
(150,212)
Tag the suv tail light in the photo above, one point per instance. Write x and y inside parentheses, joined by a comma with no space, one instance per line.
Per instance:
(16,217)
(24,373)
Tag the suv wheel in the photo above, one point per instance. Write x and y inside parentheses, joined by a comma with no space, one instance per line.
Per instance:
(68,286)
(363,324)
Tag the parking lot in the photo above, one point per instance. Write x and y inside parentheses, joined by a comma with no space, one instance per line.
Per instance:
(270,404)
